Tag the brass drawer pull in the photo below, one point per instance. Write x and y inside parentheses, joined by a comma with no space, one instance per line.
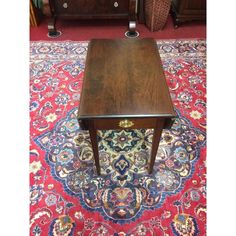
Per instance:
(116,4)
(126,123)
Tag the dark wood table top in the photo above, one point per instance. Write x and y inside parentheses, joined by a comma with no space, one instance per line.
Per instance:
(124,78)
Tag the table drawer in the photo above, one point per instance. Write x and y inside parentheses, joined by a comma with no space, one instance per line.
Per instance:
(125,123)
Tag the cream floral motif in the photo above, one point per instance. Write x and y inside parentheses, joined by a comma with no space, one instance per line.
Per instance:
(195,115)
(101,231)
(141,230)
(78,215)
(35,166)
(51,117)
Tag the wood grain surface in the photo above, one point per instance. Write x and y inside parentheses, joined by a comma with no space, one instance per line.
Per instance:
(124,78)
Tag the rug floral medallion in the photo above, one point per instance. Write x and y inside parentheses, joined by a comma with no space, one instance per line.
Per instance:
(67,197)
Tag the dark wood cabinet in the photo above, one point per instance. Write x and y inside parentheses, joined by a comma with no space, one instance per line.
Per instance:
(93,9)
(188,10)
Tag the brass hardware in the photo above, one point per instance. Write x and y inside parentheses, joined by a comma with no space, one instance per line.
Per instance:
(126,123)
(65,5)
(116,4)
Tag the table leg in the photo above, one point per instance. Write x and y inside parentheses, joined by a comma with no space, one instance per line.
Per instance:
(94,141)
(155,142)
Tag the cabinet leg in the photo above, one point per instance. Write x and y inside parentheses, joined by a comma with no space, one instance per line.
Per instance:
(132,33)
(176,23)
(155,142)
(52,32)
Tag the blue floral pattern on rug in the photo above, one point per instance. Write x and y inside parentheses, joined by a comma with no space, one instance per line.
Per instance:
(124,189)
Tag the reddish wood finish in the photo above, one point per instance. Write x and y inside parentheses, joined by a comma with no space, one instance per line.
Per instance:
(124,77)
(124,80)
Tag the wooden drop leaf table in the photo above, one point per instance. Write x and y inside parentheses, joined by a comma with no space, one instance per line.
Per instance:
(124,87)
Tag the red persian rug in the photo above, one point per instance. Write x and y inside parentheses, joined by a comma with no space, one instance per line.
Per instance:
(68,198)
